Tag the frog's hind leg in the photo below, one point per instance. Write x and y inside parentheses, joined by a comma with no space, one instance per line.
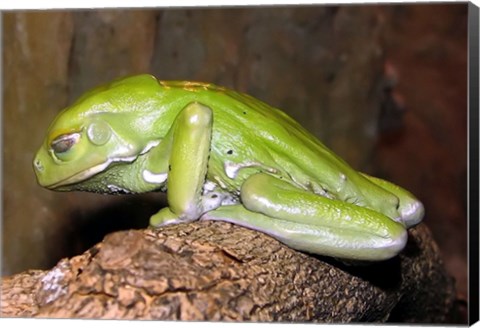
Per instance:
(312,223)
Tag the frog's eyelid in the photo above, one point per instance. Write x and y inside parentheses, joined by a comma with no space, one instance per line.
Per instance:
(64,142)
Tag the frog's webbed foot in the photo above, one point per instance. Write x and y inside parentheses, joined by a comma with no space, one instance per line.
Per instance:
(312,223)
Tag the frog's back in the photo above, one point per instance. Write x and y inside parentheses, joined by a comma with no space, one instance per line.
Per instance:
(250,136)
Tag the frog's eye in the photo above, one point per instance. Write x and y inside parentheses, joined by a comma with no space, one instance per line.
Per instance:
(64,143)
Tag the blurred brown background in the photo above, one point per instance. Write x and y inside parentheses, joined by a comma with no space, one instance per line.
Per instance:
(384,86)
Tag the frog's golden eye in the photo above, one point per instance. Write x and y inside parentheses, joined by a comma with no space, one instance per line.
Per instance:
(64,142)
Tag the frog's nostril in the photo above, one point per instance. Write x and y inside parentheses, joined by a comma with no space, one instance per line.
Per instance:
(38,165)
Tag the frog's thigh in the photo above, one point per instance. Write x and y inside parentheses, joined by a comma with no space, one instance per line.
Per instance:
(308,222)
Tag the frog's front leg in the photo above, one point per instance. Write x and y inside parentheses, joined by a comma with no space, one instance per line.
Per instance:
(190,139)
(312,223)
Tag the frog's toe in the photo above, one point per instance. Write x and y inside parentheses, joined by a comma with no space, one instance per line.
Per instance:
(412,213)
(163,217)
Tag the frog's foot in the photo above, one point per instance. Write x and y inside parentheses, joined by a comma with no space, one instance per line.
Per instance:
(311,223)
(165,217)
(411,210)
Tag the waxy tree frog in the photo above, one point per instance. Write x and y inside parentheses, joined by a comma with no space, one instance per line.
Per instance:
(226,156)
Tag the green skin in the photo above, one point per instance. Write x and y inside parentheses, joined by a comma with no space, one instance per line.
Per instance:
(224,156)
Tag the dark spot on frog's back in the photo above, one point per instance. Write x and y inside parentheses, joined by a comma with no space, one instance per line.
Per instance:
(230,152)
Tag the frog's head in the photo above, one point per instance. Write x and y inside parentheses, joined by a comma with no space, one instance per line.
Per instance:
(101,128)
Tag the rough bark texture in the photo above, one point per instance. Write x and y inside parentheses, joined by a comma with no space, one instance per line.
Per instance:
(218,271)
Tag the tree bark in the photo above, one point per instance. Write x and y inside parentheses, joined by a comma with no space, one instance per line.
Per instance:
(218,271)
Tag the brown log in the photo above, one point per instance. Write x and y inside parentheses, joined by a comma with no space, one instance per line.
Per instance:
(218,271)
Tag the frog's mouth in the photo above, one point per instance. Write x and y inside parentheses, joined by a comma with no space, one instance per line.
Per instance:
(88,173)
